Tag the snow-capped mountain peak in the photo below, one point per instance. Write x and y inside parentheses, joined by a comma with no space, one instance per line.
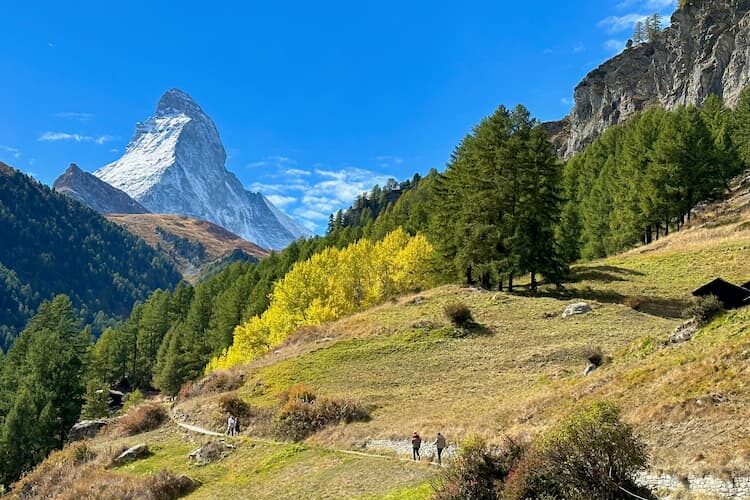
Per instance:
(175,163)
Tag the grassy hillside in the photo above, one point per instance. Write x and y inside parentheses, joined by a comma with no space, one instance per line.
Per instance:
(191,244)
(519,372)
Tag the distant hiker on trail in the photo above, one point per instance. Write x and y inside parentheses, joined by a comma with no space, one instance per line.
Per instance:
(236,425)
(416,443)
(231,422)
(440,445)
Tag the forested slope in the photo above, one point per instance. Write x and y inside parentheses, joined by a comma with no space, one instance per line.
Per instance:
(52,244)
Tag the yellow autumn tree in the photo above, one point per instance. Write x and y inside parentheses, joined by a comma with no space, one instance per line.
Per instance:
(330,285)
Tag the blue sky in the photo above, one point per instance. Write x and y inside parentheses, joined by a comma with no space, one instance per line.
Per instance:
(314,101)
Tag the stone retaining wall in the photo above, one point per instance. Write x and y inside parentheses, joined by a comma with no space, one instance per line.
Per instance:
(706,485)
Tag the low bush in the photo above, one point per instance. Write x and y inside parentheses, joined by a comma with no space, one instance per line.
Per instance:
(592,454)
(704,309)
(303,414)
(479,471)
(459,314)
(233,405)
(167,485)
(143,418)
(216,382)
(594,355)
(635,302)
(132,400)
(298,391)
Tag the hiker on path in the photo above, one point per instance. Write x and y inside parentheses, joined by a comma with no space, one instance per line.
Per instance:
(231,422)
(440,445)
(416,443)
(236,425)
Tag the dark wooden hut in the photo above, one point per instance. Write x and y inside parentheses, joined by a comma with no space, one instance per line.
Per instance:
(732,296)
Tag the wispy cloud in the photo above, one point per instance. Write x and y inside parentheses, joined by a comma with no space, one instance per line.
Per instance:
(566,101)
(66,136)
(74,115)
(280,200)
(618,24)
(647,4)
(273,161)
(614,46)
(15,152)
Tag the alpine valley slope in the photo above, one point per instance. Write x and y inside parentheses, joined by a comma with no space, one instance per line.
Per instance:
(175,164)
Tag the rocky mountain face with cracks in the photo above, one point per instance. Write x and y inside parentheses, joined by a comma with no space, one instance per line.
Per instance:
(175,164)
(705,51)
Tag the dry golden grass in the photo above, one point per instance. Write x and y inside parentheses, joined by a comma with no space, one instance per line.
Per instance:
(216,241)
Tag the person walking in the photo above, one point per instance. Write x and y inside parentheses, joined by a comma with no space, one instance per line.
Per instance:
(416,443)
(230,425)
(236,425)
(440,444)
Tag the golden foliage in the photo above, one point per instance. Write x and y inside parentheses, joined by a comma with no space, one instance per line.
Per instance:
(330,285)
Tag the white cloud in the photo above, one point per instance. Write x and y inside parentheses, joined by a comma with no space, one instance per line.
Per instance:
(281,201)
(66,136)
(16,153)
(617,24)
(647,4)
(273,161)
(566,101)
(296,172)
(615,46)
(73,115)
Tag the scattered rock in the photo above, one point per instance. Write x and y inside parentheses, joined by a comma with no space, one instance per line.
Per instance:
(415,301)
(590,368)
(684,332)
(576,309)
(86,429)
(211,452)
(130,455)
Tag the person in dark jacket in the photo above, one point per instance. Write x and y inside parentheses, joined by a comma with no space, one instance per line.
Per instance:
(416,444)
(440,444)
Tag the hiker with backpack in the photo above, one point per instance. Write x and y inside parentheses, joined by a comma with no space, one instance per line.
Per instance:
(416,443)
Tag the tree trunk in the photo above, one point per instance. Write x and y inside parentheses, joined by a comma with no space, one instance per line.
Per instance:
(469,279)
(533,282)
(510,283)
(500,284)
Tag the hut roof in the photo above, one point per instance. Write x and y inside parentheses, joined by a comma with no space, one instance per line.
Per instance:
(731,295)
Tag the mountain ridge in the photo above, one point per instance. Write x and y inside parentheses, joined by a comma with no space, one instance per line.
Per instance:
(176,164)
(95,193)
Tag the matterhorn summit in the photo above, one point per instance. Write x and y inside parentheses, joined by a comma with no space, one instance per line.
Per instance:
(175,164)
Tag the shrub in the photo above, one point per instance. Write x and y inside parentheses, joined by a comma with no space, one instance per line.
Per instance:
(594,355)
(478,472)
(82,453)
(132,400)
(167,485)
(143,418)
(233,405)
(458,313)
(704,309)
(298,391)
(303,414)
(636,302)
(591,454)
(216,382)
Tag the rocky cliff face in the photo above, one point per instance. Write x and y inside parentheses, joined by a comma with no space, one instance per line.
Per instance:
(706,50)
(175,164)
(96,194)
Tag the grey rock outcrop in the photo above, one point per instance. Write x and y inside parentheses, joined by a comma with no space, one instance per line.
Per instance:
(576,309)
(175,164)
(86,429)
(130,455)
(95,193)
(705,51)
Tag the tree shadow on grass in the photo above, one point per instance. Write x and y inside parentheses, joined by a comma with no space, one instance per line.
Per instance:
(662,307)
(605,274)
